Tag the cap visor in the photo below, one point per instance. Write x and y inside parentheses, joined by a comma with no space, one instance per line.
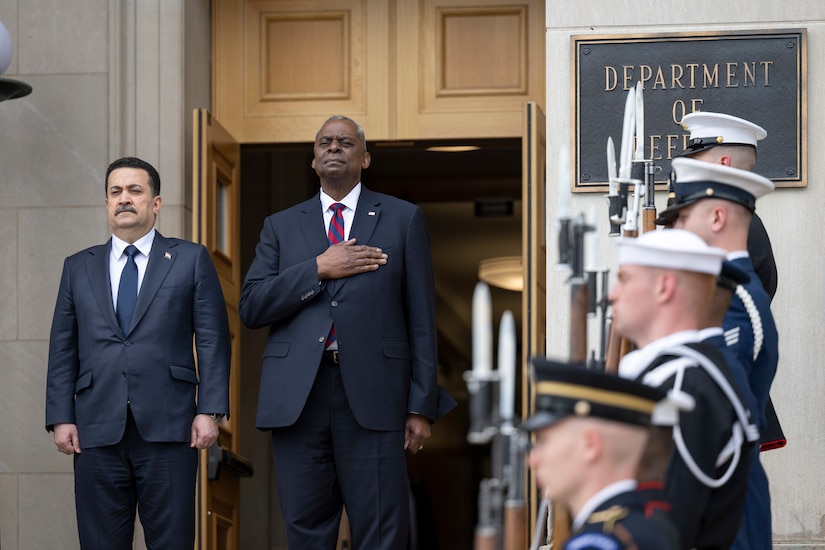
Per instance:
(693,150)
(541,419)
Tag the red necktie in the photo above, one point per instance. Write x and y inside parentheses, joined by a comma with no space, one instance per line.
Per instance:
(335,235)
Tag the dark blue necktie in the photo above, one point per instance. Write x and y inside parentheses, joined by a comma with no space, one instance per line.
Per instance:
(128,289)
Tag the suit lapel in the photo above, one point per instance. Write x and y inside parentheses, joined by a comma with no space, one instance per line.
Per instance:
(161,259)
(363,225)
(97,268)
(311,221)
(366,216)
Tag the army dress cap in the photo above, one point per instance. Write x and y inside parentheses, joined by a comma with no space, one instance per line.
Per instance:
(732,276)
(695,180)
(565,389)
(671,249)
(711,129)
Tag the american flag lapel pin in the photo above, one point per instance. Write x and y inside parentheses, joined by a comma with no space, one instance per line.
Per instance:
(371,213)
(167,255)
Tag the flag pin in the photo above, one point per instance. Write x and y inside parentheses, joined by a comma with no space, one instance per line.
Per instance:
(167,255)
(371,213)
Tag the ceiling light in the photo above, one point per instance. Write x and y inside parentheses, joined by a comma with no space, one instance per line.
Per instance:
(505,272)
(453,148)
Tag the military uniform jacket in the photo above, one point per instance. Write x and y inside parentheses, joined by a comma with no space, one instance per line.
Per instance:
(636,519)
(751,331)
(707,516)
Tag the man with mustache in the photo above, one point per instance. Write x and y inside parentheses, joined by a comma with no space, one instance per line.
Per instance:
(125,396)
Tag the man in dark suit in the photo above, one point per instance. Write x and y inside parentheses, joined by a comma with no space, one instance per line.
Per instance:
(123,384)
(344,281)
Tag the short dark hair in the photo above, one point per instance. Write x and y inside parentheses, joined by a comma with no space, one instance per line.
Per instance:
(359,131)
(134,162)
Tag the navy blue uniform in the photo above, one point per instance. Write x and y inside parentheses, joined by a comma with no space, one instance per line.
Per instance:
(707,513)
(750,331)
(637,519)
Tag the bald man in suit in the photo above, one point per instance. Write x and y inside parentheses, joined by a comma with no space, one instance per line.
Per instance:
(344,282)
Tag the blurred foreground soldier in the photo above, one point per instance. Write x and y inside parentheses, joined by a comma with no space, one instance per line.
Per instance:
(660,301)
(716,202)
(731,141)
(591,433)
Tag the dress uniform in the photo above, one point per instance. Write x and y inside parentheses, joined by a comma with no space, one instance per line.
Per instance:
(749,326)
(707,476)
(620,514)
(707,130)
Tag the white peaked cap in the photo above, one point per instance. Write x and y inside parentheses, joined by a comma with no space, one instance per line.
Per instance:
(671,249)
(710,129)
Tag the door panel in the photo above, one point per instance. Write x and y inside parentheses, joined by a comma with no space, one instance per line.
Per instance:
(534,243)
(216,225)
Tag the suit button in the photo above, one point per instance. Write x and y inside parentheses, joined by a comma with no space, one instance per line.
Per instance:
(123,372)
(334,303)
(127,343)
(322,339)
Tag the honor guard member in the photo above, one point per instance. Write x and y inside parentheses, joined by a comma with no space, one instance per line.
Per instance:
(729,279)
(660,302)
(716,202)
(591,432)
(732,141)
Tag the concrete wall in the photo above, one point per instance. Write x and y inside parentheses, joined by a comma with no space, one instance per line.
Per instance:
(110,78)
(792,216)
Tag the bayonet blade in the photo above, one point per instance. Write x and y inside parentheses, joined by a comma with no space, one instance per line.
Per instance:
(626,150)
(611,167)
(640,123)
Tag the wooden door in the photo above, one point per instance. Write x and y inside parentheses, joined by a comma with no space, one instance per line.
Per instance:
(534,252)
(216,224)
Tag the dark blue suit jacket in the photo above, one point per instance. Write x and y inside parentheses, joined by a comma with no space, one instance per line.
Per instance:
(95,369)
(384,319)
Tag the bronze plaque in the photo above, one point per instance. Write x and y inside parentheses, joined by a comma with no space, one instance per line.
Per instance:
(760,76)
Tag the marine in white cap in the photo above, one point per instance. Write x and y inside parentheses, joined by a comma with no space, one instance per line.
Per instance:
(732,141)
(713,129)
(660,302)
(591,433)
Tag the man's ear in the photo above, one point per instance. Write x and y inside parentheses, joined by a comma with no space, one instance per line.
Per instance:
(365,162)
(312,164)
(592,441)
(724,160)
(720,216)
(664,286)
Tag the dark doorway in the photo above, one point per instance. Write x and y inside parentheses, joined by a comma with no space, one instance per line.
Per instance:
(472,202)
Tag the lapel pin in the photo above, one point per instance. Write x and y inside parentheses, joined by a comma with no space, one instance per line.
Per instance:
(167,255)
(371,213)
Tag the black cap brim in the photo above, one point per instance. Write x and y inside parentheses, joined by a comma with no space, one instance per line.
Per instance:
(541,419)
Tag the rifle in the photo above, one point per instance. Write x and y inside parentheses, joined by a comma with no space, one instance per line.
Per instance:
(571,241)
(502,505)
(639,172)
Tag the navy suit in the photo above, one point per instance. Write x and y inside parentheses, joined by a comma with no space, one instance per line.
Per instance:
(354,412)
(139,390)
